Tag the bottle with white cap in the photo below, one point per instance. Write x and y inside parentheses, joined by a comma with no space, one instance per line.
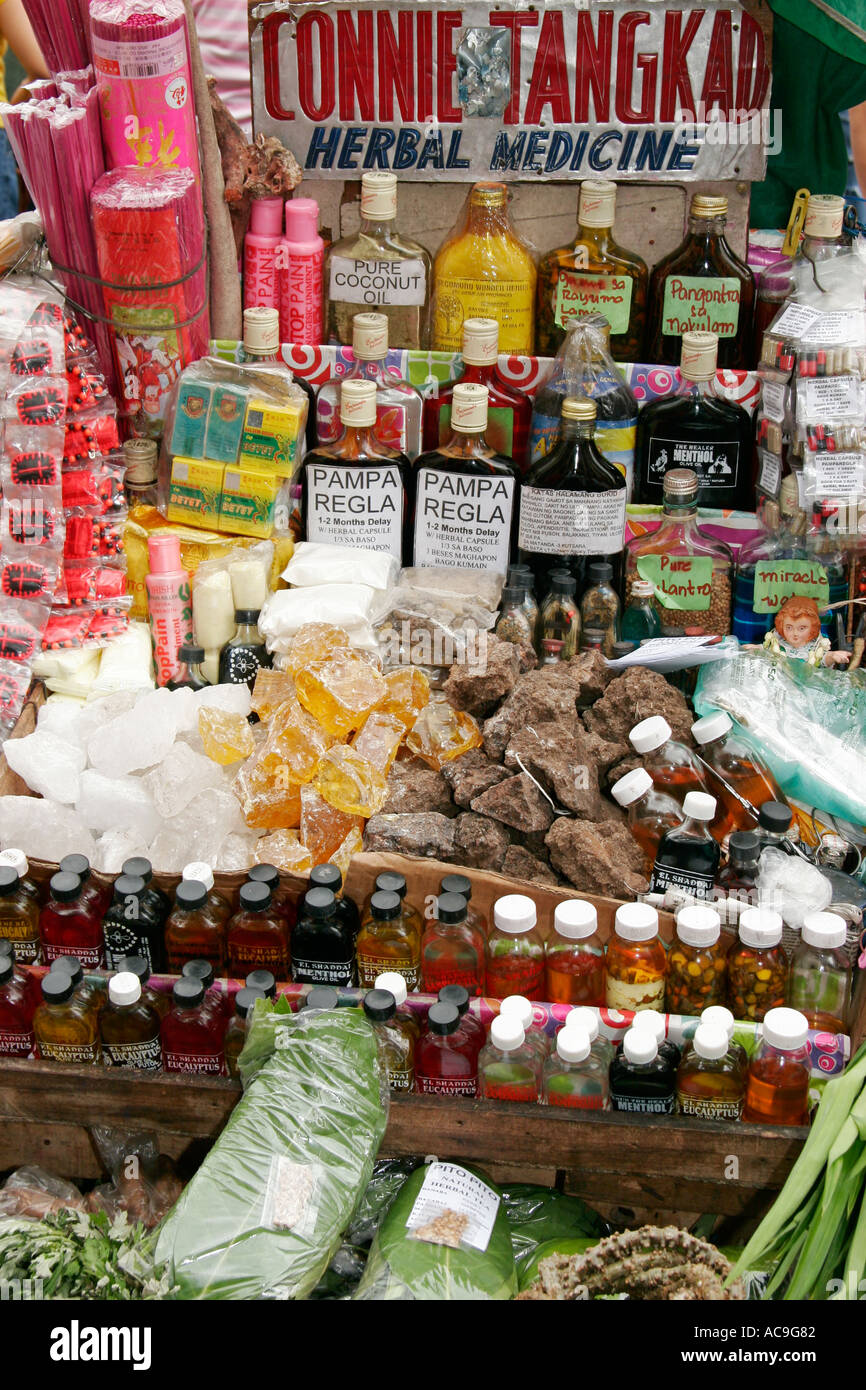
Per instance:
(777,1089)
(518,1006)
(574,968)
(641,1078)
(129,1026)
(515,950)
(739,766)
(508,1069)
(398,404)
(200,872)
(710,1082)
(395,984)
(688,856)
(696,962)
(654,1022)
(650,812)
(509,411)
(635,960)
(588,1020)
(757,965)
(16,859)
(819,984)
(722,1017)
(574,1076)
(670,763)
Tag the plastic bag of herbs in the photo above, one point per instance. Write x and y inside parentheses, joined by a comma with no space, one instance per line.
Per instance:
(264,1214)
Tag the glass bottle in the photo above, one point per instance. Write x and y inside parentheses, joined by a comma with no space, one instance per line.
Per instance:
(16,1012)
(507,1068)
(775,825)
(92,891)
(599,604)
(191,1034)
(283,900)
(641,1079)
(376,267)
(138,966)
(640,621)
(128,926)
(393,882)
(129,1026)
(322,950)
(65,1031)
(470,1023)
(217,1001)
(559,620)
(140,479)
(574,970)
(193,930)
(669,762)
(261,348)
(710,1084)
(586,1020)
(635,960)
(19,917)
(263,981)
(70,923)
(777,1090)
(509,411)
(189,675)
(757,965)
(593,275)
(353,492)
(256,937)
(395,984)
(398,405)
(245,654)
(697,429)
(460,883)
(484,270)
(688,856)
(464,494)
(732,766)
(696,963)
(735,884)
(651,813)
(200,872)
(515,950)
(514,623)
(722,1018)
(520,577)
(823,238)
(572,1076)
(702,286)
(518,1007)
(89,994)
(653,1021)
(387,942)
(236,1033)
(446,1058)
(452,952)
(572,502)
(397,1042)
(819,982)
(157,902)
(16,859)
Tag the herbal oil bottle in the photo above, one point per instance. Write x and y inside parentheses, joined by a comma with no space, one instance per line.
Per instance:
(283,900)
(244,655)
(688,856)
(509,411)
(138,966)
(777,1089)
(396,984)
(322,949)
(775,819)
(574,970)
(257,938)
(16,859)
(236,1033)
(722,1018)
(216,1003)
(129,1027)
(819,983)
(157,903)
(559,620)
(194,931)
(92,892)
(593,275)
(128,926)
(710,1084)
(514,623)
(459,883)
(398,405)
(484,270)
(397,1042)
(640,621)
(87,994)
(16,1012)
(507,1068)
(200,872)
(736,883)
(515,950)
(651,813)
(696,974)
(757,965)
(65,1032)
(378,268)
(671,764)
(635,960)
(519,1007)
(188,674)
(586,1020)
(391,882)
(451,951)
(446,1058)
(70,923)
(652,1021)
(19,917)
(385,942)
(641,1080)
(470,1024)
(573,1077)
(191,1035)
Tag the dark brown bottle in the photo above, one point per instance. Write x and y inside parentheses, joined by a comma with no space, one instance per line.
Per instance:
(193,931)
(138,966)
(129,1026)
(257,937)
(19,917)
(329,876)
(244,654)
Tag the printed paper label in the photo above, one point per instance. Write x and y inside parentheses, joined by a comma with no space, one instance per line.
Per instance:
(585,292)
(88,955)
(771,474)
(554,521)
(646,1105)
(682,582)
(838,475)
(360,505)
(454,1208)
(832,397)
(21,1045)
(463,520)
(795,320)
(714,461)
(369,967)
(773,396)
(510,302)
(847,327)
(69,1052)
(322,972)
(447,1085)
(699,303)
(664,876)
(776,580)
(194,1063)
(145,1056)
(378,282)
(709,1109)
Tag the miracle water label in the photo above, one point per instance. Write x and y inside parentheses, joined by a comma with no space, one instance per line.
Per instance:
(463,520)
(715,462)
(360,505)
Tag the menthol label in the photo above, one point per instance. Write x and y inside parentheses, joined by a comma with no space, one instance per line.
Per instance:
(360,506)
(664,877)
(463,520)
(554,521)
(714,461)
(378,282)
(322,972)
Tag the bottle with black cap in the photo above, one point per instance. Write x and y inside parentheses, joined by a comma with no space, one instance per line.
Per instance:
(735,885)
(244,654)
(64,1031)
(461,883)
(217,999)
(88,994)
(320,997)
(385,942)
(19,917)
(284,900)
(775,820)
(129,925)
(446,1057)
(396,1042)
(329,876)
(70,923)
(188,675)
(158,903)
(236,1033)
(321,945)
(257,937)
(191,1035)
(16,1010)
(129,1026)
(201,872)
(393,882)
(451,953)
(27,978)
(16,859)
(472,1026)
(193,930)
(138,966)
(264,981)
(92,889)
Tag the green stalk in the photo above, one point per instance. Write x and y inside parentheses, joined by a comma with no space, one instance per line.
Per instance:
(856,1260)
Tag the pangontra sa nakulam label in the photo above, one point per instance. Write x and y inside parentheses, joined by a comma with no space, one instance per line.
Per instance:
(554,521)
(358,505)
(463,520)
(377,282)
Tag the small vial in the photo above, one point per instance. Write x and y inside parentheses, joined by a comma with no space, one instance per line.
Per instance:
(452,952)
(472,1026)
(19,916)
(201,872)
(387,941)
(70,923)
(16,1012)
(515,950)
(696,974)
(283,900)
(507,1068)
(654,1022)
(217,1002)
(329,876)
(321,944)
(257,938)
(459,883)
(64,1030)
(191,1035)
(573,1076)
(194,930)
(642,1080)
(688,856)
(396,984)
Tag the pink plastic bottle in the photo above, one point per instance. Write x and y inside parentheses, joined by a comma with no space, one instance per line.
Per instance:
(168,598)
(301,260)
(261,243)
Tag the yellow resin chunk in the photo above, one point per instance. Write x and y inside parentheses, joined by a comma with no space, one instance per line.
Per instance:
(295,742)
(344,854)
(441,733)
(348,781)
(272,689)
(314,642)
(340,691)
(227,737)
(323,827)
(267,803)
(285,851)
(408,692)
(379,738)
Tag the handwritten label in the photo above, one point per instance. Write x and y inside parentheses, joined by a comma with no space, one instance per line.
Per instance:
(583,292)
(700,303)
(776,580)
(681,581)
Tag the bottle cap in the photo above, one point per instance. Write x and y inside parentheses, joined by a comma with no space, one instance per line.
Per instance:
(379,197)
(385,906)
(512,595)
(9,880)
(824,930)
(321,997)
(190,654)
(57,987)
(443,1018)
(599,572)
(137,966)
(139,867)
(698,925)
(623,649)
(786,1029)
(320,903)
(480,342)
(703,205)
(263,981)
(650,734)
(759,926)
(200,970)
(15,859)
(490,195)
(699,806)
(199,872)
(247,617)
(639,1046)
(563,584)
(65,887)
(680,485)
(593,639)
(451,908)
(124,988)
(190,894)
(710,1041)
(583,1019)
(254,897)
(578,408)
(597,203)
(77,864)
(358,403)
(265,873)
(514,914)
(369,337)
(698,356)
(636,922)
(68,965)
(128,886)
(575,919)
(261,331)
(455,883)
(824,215)
(188,992)
(573,1044)
(7,968)
(652,1021)
(6,947)
(163,554)
(507,1033)
(266,216)
(712,726)
(644,588)
(744,845)
(302,219)
(140,457)
(394,983)
(775,816)
(469,408)
(245,998)
(517,1006)
(719,1017)
(631,787)
(458,995)
(379,1005)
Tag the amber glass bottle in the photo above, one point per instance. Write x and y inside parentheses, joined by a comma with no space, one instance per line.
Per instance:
(257,937)
(396,1040)
(387,943)
(65,1031)
(635,960)
(710,1082)
(236,1033)
(485,271)
(193,931)
(19,917)
(129,1026)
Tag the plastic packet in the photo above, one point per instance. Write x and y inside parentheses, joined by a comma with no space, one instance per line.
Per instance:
(14,687)
(348,606)
(89,435)
(127,663)
(144,1183)
(317,563)
(21,626)
(790,886)
(30,578)
(31,1193)
(434,615)
(91,533)
(91,624)
(90,581)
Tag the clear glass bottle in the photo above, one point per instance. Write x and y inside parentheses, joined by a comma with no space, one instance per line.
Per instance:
(484,270)
(653,1021)
(670,763)
(640,621)
(138,966)
(194,931)
(70,924)
(244,655)
(393,882)
(520,577)
(189,675)
(92,891)
(19,917)
(236,1033)
(322,949)
(88,993)
(599,604)
(732,766)
(446,1058)
(688,857)
(140,480)
(452,952)
(515,950)
(587,1020)
(819,982)
(757,965)
(284,900)
(642,1081)
(261,348)
(470,1023)
(507,1068)
(257,937)
(386,942)
(696,975)
(573,1077)
(509,411)
(593,275)
(777,1089)
(710,1084)
(635,960)
(464,502)
(775,826)
(396,984)
(16,1011)
(702,285)
(217,1001)
(376,267)
(396,1040)
(559,620)
(823,238)
(651,813)
(191,1034)
(735,885)
(129,1026)
(574,969)
(129,926)
(517,1006)
(461,883)
(65,1031)
(398,405)
(514,623)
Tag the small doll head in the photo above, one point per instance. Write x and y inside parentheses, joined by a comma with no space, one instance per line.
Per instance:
(797,621)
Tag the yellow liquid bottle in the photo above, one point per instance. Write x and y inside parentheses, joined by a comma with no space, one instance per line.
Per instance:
(485,271)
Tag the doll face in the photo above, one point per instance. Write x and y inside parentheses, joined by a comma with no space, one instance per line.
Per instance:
(797,631)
